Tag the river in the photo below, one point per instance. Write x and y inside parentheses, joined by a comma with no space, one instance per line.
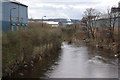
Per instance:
(74,62)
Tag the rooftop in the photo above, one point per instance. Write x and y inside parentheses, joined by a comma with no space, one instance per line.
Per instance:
(51,22)
(106,16)
(14,1)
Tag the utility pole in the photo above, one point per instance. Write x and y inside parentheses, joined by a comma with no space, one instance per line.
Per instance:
(42,20)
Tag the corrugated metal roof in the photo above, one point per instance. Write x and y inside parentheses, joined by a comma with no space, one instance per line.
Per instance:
(14,1)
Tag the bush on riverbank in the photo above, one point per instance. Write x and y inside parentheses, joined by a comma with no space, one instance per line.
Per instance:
(67,33)
(21,46)
(101,39)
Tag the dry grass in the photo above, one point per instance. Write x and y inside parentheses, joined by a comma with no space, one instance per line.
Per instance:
(19,46)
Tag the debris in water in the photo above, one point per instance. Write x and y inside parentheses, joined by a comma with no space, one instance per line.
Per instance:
(40,58)
(25,65)
(32,65)
(21,74)
(32,62)
(116,55)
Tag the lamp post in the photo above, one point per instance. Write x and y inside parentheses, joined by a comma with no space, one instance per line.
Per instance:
(42,20)
(11,16)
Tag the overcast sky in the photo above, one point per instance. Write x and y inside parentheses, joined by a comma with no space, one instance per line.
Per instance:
(65,8)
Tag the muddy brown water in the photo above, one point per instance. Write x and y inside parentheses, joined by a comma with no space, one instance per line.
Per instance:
(73,62)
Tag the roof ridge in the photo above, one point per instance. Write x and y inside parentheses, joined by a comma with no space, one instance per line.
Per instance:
(14,1)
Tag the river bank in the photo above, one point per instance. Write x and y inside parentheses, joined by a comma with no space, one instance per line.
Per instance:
(23,48)
(112,47)
(81,61)
(36,66)
(101,41)
(72,61)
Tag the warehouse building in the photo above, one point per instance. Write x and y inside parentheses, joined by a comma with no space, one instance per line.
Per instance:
(14,16)
(104,20)
(52,23)
(114,17)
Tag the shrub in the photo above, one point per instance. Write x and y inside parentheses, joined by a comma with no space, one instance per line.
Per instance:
(19,46)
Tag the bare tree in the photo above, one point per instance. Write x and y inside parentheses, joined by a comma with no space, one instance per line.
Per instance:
(108,23)
(111,21)
(91,15)
(112,17)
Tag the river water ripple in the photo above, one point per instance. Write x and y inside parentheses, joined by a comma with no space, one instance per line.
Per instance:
(73,62)
(77,62)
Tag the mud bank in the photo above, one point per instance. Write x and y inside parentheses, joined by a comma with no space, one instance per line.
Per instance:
(113,47)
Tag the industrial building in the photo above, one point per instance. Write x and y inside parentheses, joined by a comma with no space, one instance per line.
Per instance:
(14,16)
(59,21)
(52,23)
(114,16)
(116,9)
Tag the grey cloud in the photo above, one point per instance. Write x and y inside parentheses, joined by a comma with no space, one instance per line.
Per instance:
(50,11)
(71,8)
(72,3)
